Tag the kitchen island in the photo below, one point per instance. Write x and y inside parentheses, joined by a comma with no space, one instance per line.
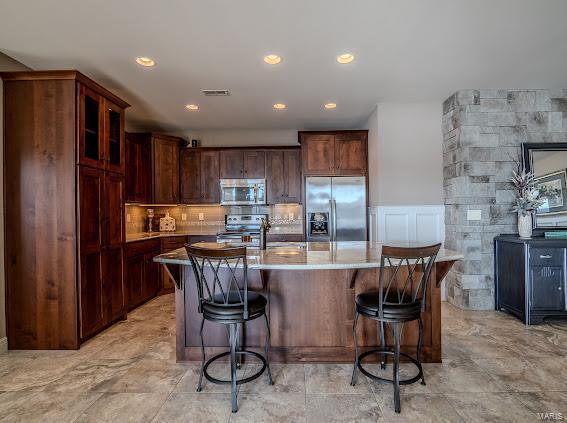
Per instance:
(311,289)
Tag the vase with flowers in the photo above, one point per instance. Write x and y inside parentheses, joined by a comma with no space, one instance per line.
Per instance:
(527,199)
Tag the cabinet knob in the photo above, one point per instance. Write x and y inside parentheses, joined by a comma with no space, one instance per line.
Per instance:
(559,288)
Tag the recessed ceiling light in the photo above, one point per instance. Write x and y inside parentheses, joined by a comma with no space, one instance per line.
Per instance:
(145,61)
(192,107)
(331,106)
(279,106)
(345,58)
(272,59)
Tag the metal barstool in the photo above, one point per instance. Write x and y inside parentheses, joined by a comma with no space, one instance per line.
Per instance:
(398,300)
(226,300)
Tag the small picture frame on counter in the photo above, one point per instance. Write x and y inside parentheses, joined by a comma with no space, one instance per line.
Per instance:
(195,143)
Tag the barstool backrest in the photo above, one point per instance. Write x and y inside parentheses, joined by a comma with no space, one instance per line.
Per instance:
(397,287)
(215,270)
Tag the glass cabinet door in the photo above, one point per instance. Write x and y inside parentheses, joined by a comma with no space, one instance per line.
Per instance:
(114,137)
(91,148)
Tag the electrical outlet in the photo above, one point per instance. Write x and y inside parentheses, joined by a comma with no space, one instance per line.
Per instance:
(183,216)
(128,218)
(474,214)
(291,216)
(201,216)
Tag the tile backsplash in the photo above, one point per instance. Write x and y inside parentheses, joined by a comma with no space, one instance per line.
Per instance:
(285,218)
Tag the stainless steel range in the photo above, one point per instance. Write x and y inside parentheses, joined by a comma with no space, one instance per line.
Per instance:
(238,227)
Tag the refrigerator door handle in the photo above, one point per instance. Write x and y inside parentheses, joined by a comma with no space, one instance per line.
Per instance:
(331,221)
(334,211)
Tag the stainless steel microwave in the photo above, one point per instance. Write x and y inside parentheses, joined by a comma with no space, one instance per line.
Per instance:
(236,192)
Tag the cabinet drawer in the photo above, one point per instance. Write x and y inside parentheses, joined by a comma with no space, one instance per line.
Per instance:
(142,247)
(547,256)
(173,243)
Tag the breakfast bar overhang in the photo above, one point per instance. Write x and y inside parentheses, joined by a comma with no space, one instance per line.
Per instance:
(311,289)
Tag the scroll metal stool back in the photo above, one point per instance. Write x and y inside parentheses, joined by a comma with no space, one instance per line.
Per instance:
(401,297)
(224,298)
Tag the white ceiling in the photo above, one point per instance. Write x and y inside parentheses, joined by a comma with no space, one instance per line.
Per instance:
(406,50)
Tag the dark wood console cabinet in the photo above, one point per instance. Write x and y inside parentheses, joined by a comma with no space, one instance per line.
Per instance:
(530,277)
(63,203)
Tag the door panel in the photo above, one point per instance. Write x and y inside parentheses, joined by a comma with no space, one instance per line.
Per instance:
(166,171)
(210,189)
(92,315)
(349,197)
(254,164)
(113,284)
(292,172)
(190,175)
(547,287)
(318,200)
(318,154)
(138,168)
(91,128)
(275,177)
(114,216)
(114,137)
(91,188)
(231,164)
(152,274)
(134,281)
(350,154)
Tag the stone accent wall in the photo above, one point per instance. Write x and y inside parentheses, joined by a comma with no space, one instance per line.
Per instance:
(482,135)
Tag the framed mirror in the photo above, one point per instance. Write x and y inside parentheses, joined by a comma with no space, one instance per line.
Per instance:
(548,162)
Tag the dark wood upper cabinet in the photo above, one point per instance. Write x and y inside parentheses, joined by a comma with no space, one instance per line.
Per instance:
(199,176)
(236,164)
(231,164)
(350,153)
(318,154)
(91,128)
(283,176)
(292,175)
(64,260)
(254,164)
(190,176)
(210,177)
(152,168)
(334,152)
(165,167)
(138,170)
(114,139)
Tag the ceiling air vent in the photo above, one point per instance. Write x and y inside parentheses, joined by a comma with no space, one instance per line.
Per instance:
(216,92)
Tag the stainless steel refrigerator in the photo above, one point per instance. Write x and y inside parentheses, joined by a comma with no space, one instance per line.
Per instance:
(335,208)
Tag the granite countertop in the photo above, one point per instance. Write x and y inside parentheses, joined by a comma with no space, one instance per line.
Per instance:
(140,236)
(204,230)
(310,255)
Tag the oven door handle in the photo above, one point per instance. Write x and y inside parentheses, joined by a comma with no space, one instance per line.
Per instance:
(255,194)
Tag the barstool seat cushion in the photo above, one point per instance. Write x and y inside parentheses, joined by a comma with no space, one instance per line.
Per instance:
(367,303)
(233,309)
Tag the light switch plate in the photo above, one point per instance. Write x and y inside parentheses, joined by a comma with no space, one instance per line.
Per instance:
(201,216)
(183,216)
(474,214)
(128,217)
(291,216)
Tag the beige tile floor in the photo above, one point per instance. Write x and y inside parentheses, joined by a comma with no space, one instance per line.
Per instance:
(494,369)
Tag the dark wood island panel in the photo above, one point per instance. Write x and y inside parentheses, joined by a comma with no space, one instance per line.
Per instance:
(311,314)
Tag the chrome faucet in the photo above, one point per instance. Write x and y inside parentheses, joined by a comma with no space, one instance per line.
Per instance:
(264,229)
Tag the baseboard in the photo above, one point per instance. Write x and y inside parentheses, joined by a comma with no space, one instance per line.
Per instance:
(3,345)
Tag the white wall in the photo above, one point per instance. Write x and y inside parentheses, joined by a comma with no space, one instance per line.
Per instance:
(243,137)
(405,154)
(6,64)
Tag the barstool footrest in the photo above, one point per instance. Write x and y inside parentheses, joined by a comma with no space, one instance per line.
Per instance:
(385,351)
(238,381)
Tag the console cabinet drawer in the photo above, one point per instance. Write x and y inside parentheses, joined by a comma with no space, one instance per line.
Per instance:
(547,256)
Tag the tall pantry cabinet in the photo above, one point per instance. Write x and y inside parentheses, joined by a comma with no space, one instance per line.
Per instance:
(63,205)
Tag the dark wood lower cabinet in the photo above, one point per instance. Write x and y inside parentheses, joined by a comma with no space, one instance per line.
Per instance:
(143,276)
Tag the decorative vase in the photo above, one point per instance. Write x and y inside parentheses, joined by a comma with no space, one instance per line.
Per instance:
(525,225)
